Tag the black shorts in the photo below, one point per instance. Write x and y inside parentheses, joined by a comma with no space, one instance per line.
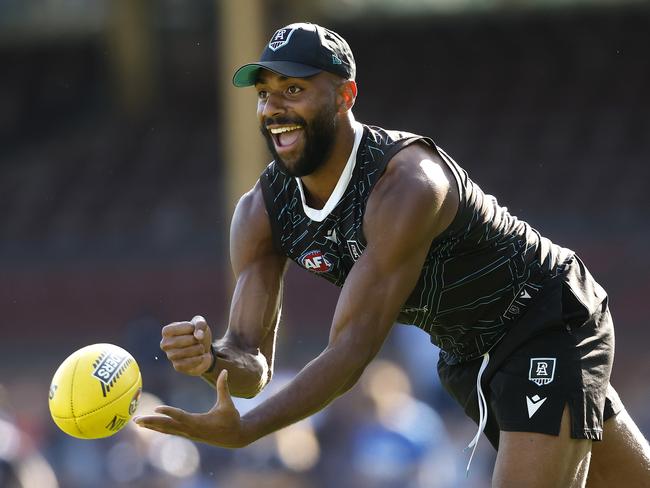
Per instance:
(560,352)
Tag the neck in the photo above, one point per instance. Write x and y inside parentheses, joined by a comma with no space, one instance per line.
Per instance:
(320,184)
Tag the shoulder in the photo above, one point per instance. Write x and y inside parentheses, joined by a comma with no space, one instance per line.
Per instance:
(251,239)
(417,189)
(251,227)
(251,204)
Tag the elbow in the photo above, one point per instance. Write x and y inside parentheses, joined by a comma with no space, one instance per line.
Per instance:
(352,380)
(360,353)
(248,377)
(356,359)
(248,391)
(264,379)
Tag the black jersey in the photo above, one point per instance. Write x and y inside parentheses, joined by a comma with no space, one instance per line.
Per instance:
(478,277)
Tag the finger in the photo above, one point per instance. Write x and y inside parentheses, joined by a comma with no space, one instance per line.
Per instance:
(163,424)
(224,400)
(205,363)
(188,364)
(177,328)
(200,327)
(177,414)
(177,342)
(199,319)
(185,352)
(159,421)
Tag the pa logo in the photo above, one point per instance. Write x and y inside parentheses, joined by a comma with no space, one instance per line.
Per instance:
(280,39)
(542,370)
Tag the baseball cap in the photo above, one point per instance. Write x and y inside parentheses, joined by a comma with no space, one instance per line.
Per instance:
(301,50)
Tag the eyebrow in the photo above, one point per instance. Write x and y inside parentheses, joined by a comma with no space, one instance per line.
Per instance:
(259,79)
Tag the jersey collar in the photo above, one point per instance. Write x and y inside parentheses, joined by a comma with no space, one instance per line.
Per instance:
(319,215)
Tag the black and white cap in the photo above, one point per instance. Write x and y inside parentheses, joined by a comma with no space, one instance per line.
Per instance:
(301,50)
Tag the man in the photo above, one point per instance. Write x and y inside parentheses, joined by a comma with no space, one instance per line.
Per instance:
(525,334)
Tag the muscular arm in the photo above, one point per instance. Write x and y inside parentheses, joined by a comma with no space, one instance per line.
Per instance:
(248,346)
(413,202)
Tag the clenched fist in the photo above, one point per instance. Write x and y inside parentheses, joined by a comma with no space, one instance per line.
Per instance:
(187,345)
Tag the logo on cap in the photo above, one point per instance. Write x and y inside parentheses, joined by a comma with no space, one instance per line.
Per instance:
(280,39)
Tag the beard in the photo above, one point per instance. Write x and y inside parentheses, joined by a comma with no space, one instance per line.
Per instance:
(319,135)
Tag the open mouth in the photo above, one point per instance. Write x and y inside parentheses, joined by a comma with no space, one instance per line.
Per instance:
(286,136)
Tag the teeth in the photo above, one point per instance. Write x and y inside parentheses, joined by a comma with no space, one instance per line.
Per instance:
(280,130)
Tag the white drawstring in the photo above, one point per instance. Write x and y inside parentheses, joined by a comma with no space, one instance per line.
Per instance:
(482,411)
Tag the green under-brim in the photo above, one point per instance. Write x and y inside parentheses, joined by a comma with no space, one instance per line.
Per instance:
(247,74)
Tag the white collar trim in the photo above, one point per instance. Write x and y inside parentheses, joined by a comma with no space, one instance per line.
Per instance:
(319,215)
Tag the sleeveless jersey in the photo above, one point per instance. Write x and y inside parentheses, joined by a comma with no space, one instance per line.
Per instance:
(479,276)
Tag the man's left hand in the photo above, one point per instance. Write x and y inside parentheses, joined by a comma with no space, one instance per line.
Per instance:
(221,426)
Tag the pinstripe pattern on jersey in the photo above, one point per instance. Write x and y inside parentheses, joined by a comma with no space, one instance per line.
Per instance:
(471,284)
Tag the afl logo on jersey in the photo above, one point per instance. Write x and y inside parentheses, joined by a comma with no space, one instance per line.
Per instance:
(315,261)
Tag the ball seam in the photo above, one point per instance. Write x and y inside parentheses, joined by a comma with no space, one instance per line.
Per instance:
(103,406)
(74,371)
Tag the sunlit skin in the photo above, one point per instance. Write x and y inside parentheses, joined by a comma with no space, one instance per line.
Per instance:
(417,198)
(299,147)
(289,102)
(414,194)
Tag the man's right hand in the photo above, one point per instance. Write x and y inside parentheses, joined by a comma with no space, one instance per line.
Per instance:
(187,345)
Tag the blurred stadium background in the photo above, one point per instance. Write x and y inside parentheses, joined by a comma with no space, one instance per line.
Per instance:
(123,147)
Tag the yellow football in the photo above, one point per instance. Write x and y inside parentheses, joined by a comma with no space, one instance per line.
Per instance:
(95,391)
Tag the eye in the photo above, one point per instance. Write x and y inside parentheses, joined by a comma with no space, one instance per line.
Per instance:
(262,94)
(293,90)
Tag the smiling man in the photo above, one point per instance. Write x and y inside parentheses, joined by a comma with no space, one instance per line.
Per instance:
(525,333)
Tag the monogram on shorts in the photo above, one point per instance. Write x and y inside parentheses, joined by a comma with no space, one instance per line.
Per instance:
(542,370)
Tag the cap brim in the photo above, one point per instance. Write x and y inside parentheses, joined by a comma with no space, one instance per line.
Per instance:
(247,74)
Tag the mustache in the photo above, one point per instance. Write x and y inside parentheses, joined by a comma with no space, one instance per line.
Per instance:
(283,120)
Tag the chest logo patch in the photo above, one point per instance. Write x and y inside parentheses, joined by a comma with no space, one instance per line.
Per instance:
(314,260)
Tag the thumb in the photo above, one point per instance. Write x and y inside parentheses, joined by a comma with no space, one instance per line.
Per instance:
(201,332)
(224,400)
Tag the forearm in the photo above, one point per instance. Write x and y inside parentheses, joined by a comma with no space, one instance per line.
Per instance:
(328,376)
(247,349)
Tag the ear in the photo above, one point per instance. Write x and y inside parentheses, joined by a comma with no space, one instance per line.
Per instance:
(347,95)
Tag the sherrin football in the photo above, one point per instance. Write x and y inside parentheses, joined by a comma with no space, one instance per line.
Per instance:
(95,391)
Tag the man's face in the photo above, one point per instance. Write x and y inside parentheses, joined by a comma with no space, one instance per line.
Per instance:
(298,118)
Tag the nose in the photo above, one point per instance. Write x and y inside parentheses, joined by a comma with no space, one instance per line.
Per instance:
(272,106)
